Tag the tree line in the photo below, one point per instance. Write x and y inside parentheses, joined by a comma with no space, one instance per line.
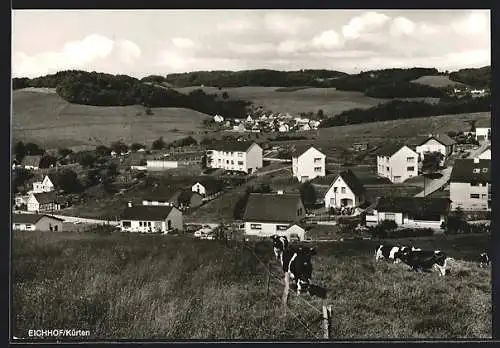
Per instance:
(480,78)
(399,109)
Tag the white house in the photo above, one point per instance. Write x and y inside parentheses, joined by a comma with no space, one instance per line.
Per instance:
(267,214)
(36,222)
(208,188)
(283,128)
(397,163)
(31,162)
(308,163)
(249,119)
(470,184)
(410,212)
(161,196)
(46,185)
(345,191)
(45,201)
(436,143)
(218,118)
(483,130)
(242,156)
(486,154)
(294,230)
(304,127)
(151,219)
(160,163)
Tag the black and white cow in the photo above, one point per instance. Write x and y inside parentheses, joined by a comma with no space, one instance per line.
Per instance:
(484,260)
(392,252)
(297,265)
(425,260)
(280,243)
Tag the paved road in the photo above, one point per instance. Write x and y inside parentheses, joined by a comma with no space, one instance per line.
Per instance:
(434,185)
(482,147)
(271,171)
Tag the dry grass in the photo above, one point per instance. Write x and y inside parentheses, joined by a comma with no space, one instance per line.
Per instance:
(127,286)
(47,119)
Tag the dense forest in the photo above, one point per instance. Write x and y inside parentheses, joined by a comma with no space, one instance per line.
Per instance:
(479,78)
(101,89)
(399,109)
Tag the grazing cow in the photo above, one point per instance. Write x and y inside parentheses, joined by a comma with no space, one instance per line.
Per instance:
(484,260)
(387,252)
(297,265)
(280,243)
(424,260)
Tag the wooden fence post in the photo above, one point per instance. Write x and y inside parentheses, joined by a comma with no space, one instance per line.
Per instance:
(329,311)
(286,289)
(325,323)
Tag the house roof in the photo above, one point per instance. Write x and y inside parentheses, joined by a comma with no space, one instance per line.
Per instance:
(46,197)
(272,207)
(32,161)
(299,150)
(211,185)
(389,149)
(441,137)
(483,123)
(31,218)
(420,205)
(161,193)
(185,195)
(463,170)
(146,212)
(239,146)
(352,181)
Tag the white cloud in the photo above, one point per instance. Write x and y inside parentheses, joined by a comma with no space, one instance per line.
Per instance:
(182,42)
(73,55)
(255,48)
(401,26)
(235,26)
(366,22)
(474,23)
(291,46)
(327,40)
(285,24)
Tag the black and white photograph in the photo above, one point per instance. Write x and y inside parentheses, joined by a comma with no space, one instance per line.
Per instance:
(250,175)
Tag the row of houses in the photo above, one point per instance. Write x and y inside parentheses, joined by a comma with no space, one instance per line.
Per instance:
(268,123)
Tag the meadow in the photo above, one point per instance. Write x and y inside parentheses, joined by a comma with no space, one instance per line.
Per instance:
(127,286)
(438,81)
(45,118)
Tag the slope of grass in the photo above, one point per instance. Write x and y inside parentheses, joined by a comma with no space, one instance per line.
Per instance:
(47,119)
(437,81)
(163,287)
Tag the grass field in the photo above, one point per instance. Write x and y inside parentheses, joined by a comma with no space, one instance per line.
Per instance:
(47,119)
(127,286)
(437,81)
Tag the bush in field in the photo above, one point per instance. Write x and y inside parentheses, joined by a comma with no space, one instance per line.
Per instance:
(383,228)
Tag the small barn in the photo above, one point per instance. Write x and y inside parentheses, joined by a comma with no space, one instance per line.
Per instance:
(36,222)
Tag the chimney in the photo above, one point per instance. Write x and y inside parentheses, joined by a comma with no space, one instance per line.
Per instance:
(476,160)
(129,204)
(430,135)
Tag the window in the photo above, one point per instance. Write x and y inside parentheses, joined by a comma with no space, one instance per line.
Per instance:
(390,216)
(342,190)
(410,169)
(410,159)
(317,169)
(28,227)
(255,226)
(476,170)
(240,163)
(483,196)
(232,162)
(474,195)
(281,227)
(17,225)
(227,161)
(140,223)
(474,183)
(335,189)
(126,224)
(485,170)
(387,168)
(240,154)
(149,223)
(219,160)
(317,160)
(299,212)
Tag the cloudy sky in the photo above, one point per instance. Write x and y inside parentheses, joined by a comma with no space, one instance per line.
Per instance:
(143,42)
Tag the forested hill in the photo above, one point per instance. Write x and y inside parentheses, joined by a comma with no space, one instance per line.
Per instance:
(100,89)
(480,77)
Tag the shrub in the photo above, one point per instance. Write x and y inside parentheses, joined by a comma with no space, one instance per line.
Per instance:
(412,232)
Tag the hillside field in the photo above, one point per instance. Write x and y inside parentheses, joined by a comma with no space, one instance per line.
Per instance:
(45,118)
(129,286)
(438,81)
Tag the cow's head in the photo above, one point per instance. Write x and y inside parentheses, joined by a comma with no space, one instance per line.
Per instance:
(303,267)
(279,242)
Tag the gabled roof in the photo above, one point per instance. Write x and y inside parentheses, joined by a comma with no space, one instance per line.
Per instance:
(299,150)
(415,205)
(463,171)
(185,195)
(31,218)
(46,197)
(442,138)
(230,146)
(389,149)
(211,185)
(32,161)
(483,123)
(351,180)
(146,212)
(160,193)
(270,207)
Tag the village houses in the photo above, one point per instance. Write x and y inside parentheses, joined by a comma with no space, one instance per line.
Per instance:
(267,214)
(470,184)
(242,156)
(208,188)
(308,163)
(486,154)
(151,219)
(345,191)
(483,130)
(46,185)
(441,143)
(397,163)
(410,212)
(44,202)
(31,162)
(36,222)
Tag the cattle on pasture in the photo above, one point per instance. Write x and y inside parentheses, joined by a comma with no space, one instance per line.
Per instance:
(484,260)
(425,260)
(298,267)
(391,252)
(280,243)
